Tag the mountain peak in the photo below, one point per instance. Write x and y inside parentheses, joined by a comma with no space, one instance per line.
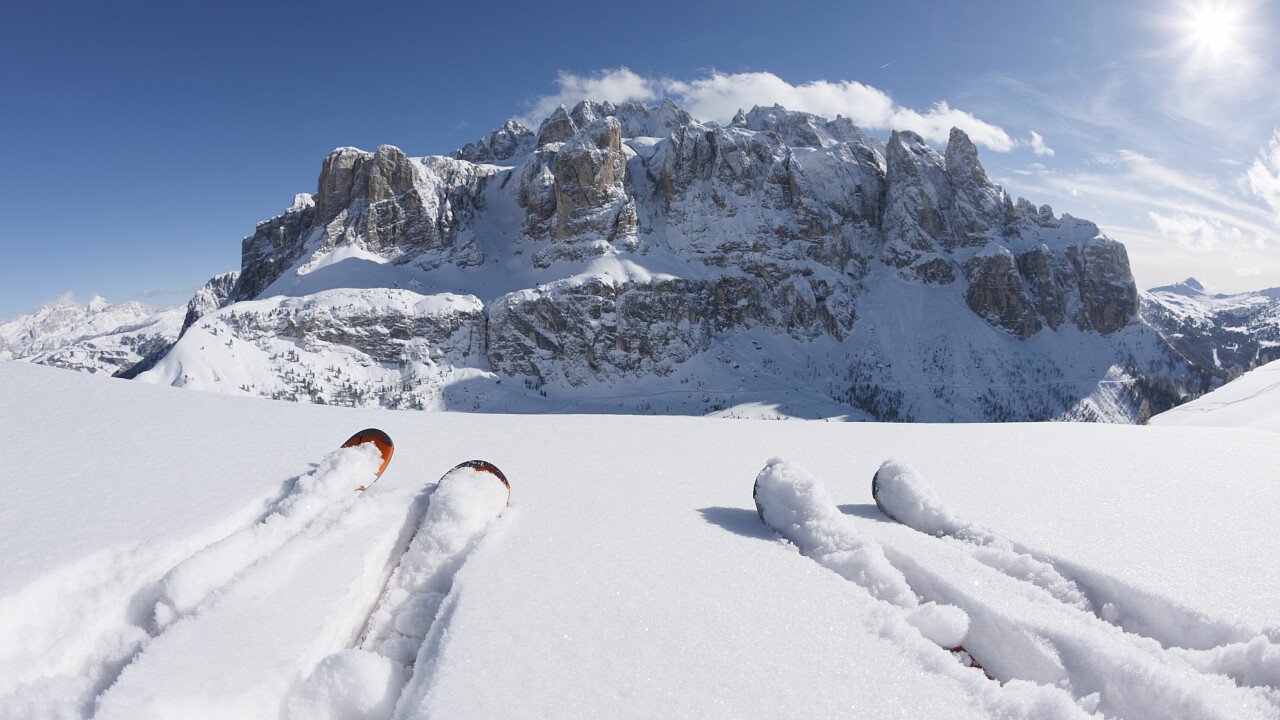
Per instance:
(1190,286)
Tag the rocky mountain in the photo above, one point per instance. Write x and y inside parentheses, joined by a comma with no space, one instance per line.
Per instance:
(634,258)
(1223,334)
(104,339)
(96,337)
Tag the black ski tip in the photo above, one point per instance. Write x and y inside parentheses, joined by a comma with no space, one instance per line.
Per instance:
(484,466)
(875,495)
(755,497)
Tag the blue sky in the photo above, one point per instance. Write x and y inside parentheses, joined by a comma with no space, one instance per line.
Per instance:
(144,140)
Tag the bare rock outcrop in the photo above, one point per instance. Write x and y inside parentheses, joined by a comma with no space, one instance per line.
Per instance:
(507,142)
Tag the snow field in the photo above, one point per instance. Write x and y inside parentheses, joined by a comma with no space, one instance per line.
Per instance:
(636,579)
(1250,401)
(903,496)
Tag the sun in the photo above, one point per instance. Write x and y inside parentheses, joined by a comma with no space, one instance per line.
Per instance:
(1213,29)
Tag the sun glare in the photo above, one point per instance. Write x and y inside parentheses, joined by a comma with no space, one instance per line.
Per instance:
(1213,29)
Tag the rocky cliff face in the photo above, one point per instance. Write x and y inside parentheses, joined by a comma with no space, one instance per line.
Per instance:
(633,246)
(215,293)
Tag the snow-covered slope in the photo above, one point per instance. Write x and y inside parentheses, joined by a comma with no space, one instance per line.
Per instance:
(1250,401)
(630,576)
(96,337)
(632,258)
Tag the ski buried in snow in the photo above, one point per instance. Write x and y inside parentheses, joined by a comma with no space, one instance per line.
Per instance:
(964,656)
(464,503)
(381,441)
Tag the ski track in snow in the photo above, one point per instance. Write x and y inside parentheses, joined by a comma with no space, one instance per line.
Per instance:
(400,638)
(136,613)
(1108,647)
(122,600)
(315,500)
(1250,656)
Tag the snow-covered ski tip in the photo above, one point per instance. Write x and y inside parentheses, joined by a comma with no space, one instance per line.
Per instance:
(315,499)
(379,440)
(389,664)
(1064,640)
(796,505)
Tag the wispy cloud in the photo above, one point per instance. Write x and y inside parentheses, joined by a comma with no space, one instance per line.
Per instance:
(1143,182)
(156,292)
(1263,177)
(717,96)
(67,298)
(1038,147)
(1197,234)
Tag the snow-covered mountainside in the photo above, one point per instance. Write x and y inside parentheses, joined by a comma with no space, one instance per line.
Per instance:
(1250,401)
(96,337)
(1222,334)
(209,559)
(104,339)
(633,258)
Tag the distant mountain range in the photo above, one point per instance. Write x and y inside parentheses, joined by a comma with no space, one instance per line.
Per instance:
(96,337)
(631,258)
(1223,335)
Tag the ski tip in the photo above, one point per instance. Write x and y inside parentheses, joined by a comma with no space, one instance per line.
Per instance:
(484,466)
(875,495)
(380,440)
(967,659)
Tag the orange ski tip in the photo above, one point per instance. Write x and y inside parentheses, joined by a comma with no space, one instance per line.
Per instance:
(967,659)
(380,440)
(487,467)
(360,489)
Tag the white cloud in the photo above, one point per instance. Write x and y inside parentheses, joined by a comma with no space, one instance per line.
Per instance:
(1263,177)
(1247,271)
(618,85)
(1197,234)
(719,95)
(1038,146)
(67,298)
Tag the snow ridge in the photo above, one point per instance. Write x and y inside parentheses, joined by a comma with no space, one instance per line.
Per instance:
(1250,401)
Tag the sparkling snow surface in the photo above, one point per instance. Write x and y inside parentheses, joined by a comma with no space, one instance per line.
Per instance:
(630,576)
(1250,401)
